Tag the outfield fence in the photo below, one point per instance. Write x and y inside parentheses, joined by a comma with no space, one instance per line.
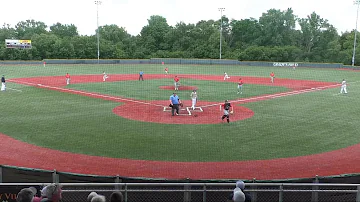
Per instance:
(178,61)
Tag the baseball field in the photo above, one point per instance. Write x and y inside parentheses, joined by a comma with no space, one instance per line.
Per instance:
(299,126)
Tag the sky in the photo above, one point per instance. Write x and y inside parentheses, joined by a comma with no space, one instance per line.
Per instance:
(133,14)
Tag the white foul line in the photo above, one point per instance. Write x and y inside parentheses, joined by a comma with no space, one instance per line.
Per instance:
(14,89)
(88,93)
(277,95)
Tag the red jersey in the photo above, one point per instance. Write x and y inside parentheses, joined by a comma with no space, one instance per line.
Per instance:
(176,79)
(272,74)
(226,106)
(166,69)
(67,76)
(241,83)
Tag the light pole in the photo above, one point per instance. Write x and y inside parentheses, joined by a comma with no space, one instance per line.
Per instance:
(356,2)
(97,30)
(221,10)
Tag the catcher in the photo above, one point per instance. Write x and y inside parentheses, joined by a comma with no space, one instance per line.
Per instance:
(228,109)
(174,104)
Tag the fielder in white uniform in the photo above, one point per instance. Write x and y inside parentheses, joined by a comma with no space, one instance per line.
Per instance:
(226,76)
(343,87)
(193,96)
(3,85)
(105,76)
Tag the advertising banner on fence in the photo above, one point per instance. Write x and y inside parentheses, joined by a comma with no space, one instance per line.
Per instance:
(9,193)
(285,64)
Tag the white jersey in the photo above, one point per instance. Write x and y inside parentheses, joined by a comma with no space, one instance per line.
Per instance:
(343,84)
(193,95)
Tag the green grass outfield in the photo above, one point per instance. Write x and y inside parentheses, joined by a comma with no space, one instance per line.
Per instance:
(289,126)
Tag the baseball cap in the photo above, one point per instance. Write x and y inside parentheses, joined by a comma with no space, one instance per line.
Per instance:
(26,194)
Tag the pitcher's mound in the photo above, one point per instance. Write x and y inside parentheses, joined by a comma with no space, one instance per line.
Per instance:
(180,87)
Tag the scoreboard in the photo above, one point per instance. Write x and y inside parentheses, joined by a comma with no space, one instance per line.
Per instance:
(14,43)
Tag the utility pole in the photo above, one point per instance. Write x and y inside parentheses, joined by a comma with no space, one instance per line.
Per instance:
(97,30)
(356,2)
(221,10)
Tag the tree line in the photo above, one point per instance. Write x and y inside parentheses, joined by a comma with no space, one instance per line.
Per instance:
(272,37)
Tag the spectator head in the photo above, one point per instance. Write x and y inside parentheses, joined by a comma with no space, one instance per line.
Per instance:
(98,198)
(26,194)
(116,197)
(239,196)
(52,192)
(91,195)
(240,184)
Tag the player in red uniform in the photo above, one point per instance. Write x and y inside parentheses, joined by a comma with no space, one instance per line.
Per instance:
(166,71)
(272,77)
(240,85)
(176,83)
(67,77)
(226,109)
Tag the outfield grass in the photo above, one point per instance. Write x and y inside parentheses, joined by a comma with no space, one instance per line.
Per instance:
(283,127)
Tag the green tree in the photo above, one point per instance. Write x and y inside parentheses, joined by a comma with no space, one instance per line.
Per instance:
(26,29)
(63,31)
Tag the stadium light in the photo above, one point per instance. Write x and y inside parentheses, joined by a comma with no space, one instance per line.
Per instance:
(221,10)
(97,32)
(356,2)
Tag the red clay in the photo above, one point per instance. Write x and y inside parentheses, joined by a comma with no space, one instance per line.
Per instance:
(150,113)
(331,163)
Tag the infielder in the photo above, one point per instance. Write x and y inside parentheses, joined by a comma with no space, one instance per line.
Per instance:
(272,77)
(105,76)
(226,76)
(193,96)
(240,85)
(343,87)
(227,106)
(166,71)
(3,85)
(67,78)
(176,83)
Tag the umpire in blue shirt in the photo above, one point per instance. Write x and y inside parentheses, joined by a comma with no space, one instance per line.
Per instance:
(174,103)
(141,73)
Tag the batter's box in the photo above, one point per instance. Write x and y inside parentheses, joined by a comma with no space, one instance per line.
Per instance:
(195,109)
(168,109)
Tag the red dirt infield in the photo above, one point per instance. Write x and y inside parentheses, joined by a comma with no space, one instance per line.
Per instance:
(330,163)
(156,114)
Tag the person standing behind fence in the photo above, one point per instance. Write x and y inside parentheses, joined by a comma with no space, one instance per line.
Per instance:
(343,87)
(67,78)
(3,83)
(51,193)
(116,197)
(141,73)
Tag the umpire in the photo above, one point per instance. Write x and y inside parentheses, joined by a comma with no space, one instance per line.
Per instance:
(174,104)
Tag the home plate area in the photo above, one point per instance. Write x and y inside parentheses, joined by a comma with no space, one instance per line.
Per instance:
(187,109)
